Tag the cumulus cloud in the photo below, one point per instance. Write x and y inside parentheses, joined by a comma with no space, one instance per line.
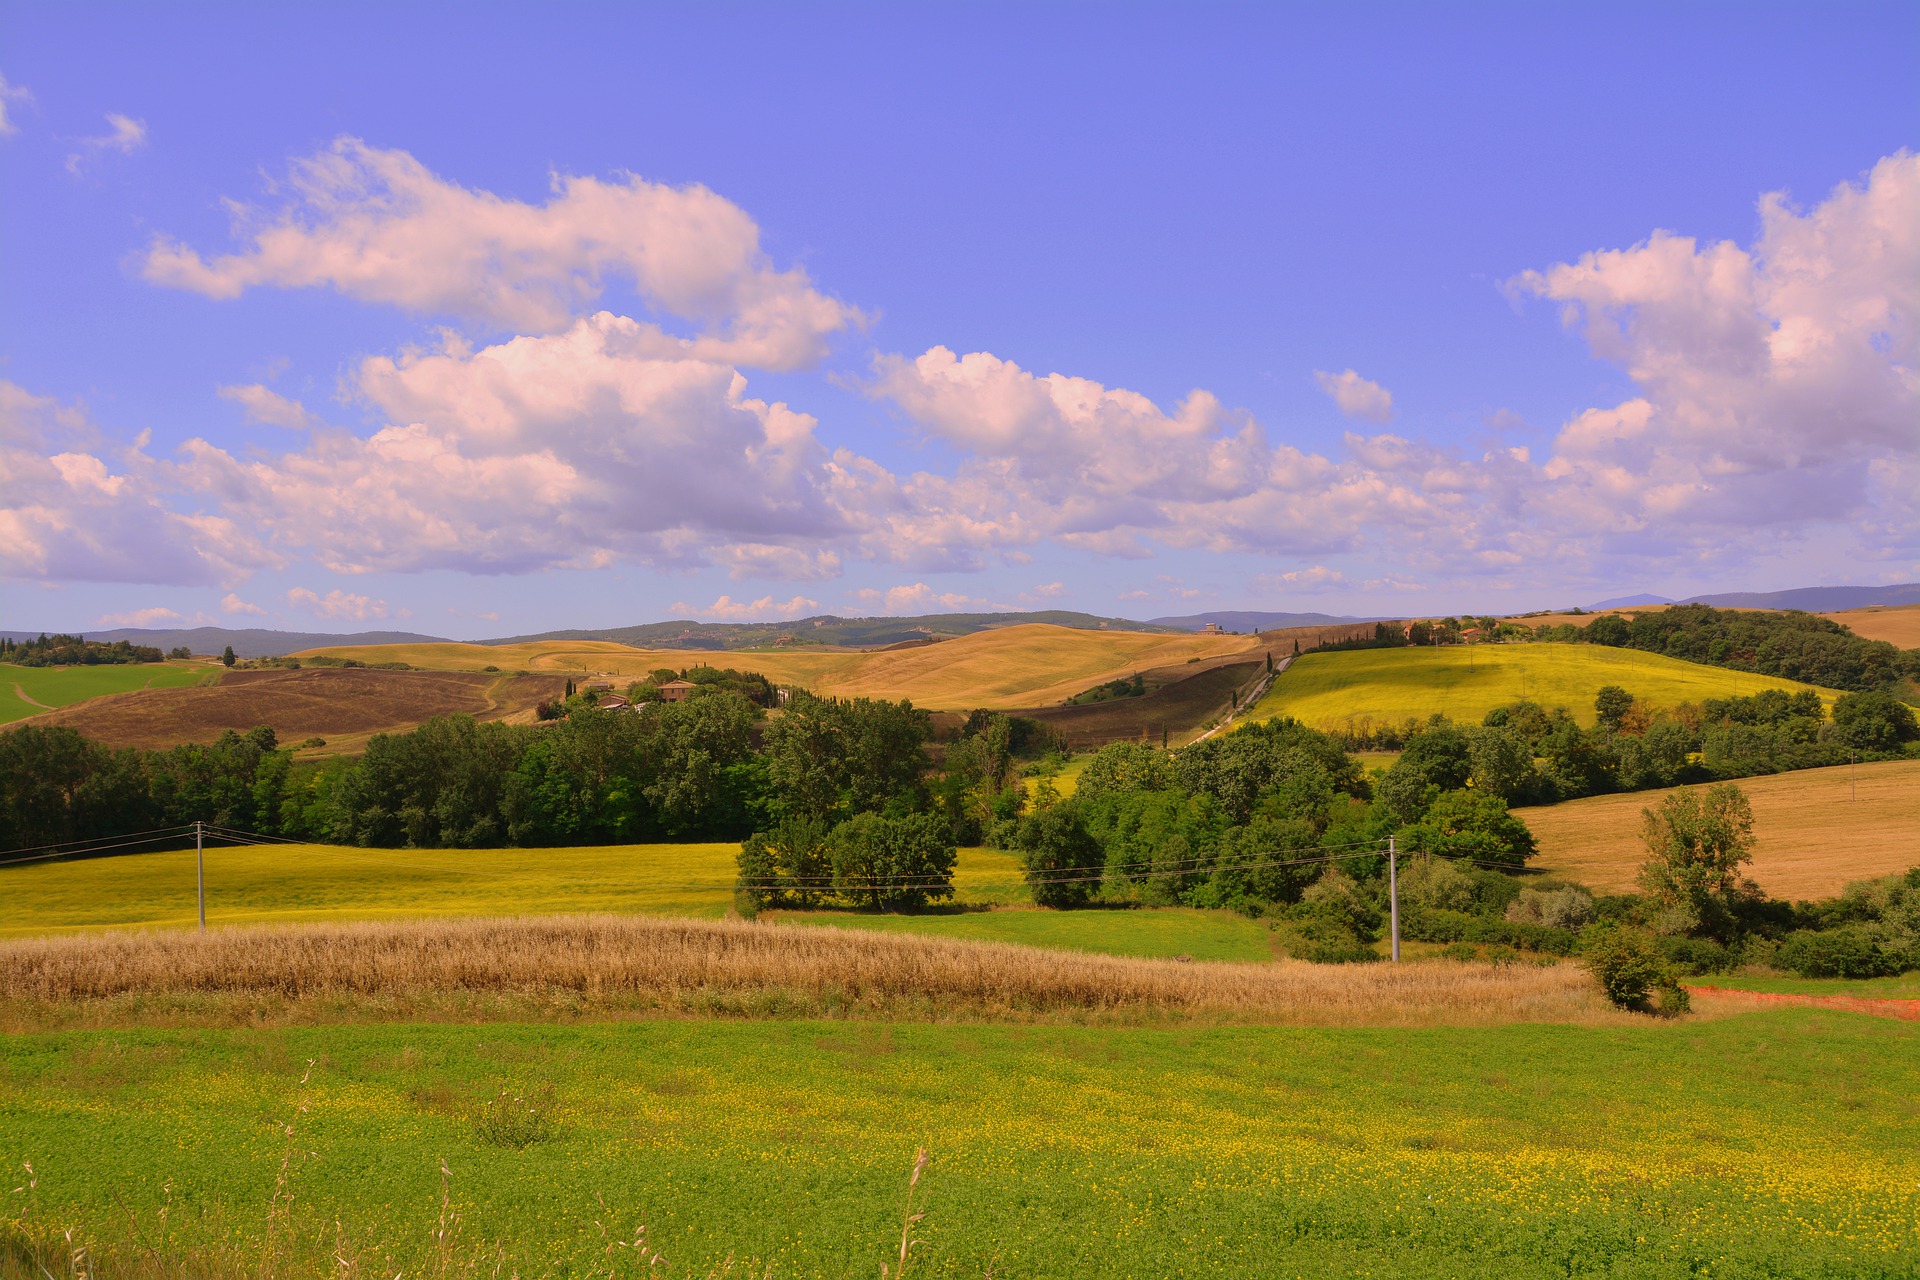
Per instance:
(1317,576)
(573,449)
(765,609)
(263,404)
(337,604)
(10,94)
(1357,397)
(379,226)
(142,618)
(1777,384)
(1106,470)
(231,603)
(76,507)
(917,598)
(124,135)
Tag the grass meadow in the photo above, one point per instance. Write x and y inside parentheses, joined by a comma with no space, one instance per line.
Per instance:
(1814,829)
(1162,932)
(1334,690)
(28,691)
(781,1148)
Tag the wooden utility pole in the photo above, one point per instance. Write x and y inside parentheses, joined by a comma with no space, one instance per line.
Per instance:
(200,873)
(1393,893)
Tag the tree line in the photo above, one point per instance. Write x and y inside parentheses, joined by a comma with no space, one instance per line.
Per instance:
(75,651)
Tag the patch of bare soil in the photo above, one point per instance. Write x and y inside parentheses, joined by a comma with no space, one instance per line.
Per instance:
(329,703)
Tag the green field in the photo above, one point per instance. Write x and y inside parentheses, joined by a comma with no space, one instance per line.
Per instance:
(63,686)
(1162,933)
(256,884)
(1388,686)
(1904,986)
(1057,1151)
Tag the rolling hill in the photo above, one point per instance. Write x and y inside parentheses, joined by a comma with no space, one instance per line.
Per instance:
(1465,682)
(1030,665)
(831,630)
(1815,830)
(31,691)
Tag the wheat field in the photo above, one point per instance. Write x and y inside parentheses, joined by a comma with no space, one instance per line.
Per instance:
(1010,667)
(732,967)
(1814,829)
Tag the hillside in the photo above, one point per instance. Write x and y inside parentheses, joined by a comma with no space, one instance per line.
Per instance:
(1898,625)
(1009,667)
(30,691)
(247,642)
(1816,829)
(1465,682)
(830,630)
(343,706)
(1247,620)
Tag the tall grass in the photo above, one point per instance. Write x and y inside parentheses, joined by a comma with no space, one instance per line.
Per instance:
(586,964)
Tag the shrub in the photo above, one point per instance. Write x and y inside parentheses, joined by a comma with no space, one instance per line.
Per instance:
(1839,953)
(512,1120)
(1696,955)
(1569,908)
(1460,951)
(1626,962)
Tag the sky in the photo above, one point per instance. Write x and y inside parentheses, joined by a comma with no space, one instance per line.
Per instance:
(490,319)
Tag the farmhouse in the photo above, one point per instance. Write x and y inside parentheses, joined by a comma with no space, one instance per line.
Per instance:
(677,690)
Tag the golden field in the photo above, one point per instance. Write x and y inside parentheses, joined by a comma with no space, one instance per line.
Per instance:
(1011,667)
(1815,830)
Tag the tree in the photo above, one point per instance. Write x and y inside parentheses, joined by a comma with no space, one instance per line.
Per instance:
(788,865)
(1611,705)
(1061,859)
(1473,825)
(180,651)
(897,864)
(1875,721)
(1502,762)
(226,656)
(1696,844)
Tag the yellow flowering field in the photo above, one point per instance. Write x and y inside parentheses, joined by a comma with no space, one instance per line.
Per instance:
(1776,1144)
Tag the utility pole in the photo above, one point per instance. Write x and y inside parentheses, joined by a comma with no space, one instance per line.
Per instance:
(200,879)
(1393,894)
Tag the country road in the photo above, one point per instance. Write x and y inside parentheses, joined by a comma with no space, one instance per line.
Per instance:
(1259,690)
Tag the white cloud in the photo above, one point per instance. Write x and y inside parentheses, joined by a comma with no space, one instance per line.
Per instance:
(143,618)
(11,93)
(75,507)
(337,604)
(379,226)
(765,609)
(231,603)
(917,598)
(124,135)
(1775,384)
(263,404)
(1315,578)
(571,449)
(1357,397)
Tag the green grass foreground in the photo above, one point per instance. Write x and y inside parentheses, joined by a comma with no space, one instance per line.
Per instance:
(1464,683)
(1777,1144)
(64,686)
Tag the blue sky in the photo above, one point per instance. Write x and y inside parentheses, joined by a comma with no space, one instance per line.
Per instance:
(1137,310)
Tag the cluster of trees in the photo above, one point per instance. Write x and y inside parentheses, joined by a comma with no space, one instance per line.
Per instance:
(1529,754)
(73,651)
(1274,820)
(1789,644)
(1121,688)
(709,767)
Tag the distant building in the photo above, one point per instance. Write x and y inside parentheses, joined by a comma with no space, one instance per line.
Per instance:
(611,702)
(1212,629)
(677,690)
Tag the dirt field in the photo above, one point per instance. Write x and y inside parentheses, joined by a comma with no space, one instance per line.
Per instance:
(344,706)
(1813,835)
(1010,667)
(1179,708)
(1897,624)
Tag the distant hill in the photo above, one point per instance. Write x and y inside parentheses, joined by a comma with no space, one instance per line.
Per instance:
(1815,599)
(832,631)
(1244,620)
(1627,602)
(247,642)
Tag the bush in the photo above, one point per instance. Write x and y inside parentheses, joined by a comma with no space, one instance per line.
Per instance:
(1434,925)
(1839,953)
(1697,955)
(1627,963)
(1569,908)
